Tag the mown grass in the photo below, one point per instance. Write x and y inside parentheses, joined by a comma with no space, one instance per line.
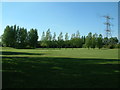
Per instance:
(60,68)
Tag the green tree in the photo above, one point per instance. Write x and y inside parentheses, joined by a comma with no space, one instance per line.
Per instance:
(1,40)
(88,41)
(43,40)
(14,36)
(33,38)
(72,44)
(72,36)
(105,41)
(66,37)
(8,36)
(60,40)
(99,41)
(48,38)
(83,41)
(21,38)
(48,35)
(78,40)
(94,39)
(43,36)
(77,34)
(113,40)
(66,42)
(60,37)
(54,42)
(54,37)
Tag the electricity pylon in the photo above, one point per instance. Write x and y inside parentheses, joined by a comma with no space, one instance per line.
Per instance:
(108,26)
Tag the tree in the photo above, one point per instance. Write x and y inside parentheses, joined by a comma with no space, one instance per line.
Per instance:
(43,36)
(54,37)
(8,36)
(66,37)
(83,38)
(43,40)
(54,42)
(48,38)
(48,35)
(17,37)
(94,39)
(32,38)
(78,40)
(113,40)
(21,38)
(1,40)
(60,40)
(88,41)
(72,44)
(66,42)
(77,34)
(105,41)
(99,41)
(60,37)
(14,36)
(73,36)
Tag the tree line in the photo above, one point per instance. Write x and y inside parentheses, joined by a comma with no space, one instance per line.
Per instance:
(17,37)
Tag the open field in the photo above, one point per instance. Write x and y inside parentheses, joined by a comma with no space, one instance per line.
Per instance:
(56,68)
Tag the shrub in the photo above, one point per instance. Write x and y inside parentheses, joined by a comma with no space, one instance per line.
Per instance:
(117,45)
(84,46)
(111,46)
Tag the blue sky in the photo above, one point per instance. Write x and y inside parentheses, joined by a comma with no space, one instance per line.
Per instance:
(60,16)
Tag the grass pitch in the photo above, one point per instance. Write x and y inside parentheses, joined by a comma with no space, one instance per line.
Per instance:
(60,68)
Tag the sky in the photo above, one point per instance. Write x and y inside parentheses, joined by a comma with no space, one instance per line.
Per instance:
(60,0)
(65,17)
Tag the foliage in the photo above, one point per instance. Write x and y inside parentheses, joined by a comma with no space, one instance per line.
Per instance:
(89,40)
(17,37)
(32,38)
(8,36)
(99,41)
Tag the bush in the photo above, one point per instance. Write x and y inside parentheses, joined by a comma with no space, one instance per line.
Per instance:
(84,46)
(111,46)
(117,45)
(105,46)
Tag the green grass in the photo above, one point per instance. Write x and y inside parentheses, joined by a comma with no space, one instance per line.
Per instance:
(60,68)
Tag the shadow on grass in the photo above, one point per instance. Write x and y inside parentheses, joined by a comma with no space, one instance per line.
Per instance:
(19,53)
(50,72)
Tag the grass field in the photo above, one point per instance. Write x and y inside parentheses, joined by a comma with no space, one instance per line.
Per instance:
(60,68)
